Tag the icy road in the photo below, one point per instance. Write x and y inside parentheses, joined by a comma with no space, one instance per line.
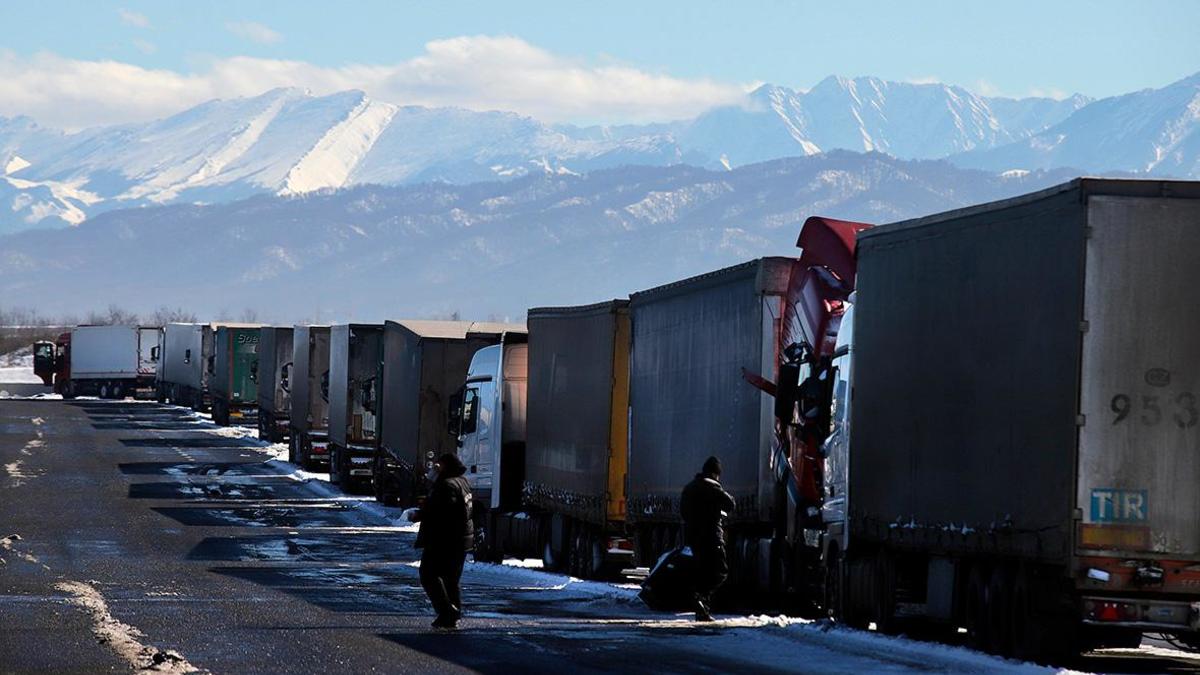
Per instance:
(138,536)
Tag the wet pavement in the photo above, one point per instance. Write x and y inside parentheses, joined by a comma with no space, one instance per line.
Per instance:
(136,535)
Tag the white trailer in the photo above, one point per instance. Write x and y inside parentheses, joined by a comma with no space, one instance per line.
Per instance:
(107,361)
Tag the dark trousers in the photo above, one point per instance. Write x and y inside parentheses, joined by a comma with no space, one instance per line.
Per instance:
(440,573)
(710,570)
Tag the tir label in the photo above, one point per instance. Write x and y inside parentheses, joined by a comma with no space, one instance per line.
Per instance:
(1118,506)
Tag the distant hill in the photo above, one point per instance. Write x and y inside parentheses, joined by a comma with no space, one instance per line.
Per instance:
(287,141)
(482,249)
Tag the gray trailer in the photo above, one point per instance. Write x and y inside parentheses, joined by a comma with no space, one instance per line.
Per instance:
(183,376)
(309,417)
(1024,453)
(693,342)
(355,356)
(577,434)
(424,364)
(273,373)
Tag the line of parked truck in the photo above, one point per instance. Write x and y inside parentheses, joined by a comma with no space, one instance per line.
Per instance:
(983,419)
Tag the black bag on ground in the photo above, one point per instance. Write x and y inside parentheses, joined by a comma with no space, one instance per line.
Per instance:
(668,587)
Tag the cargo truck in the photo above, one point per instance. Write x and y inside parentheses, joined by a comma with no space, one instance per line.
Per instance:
(1016,444)
(272,373)
(104,361)
(309,416)
(230,375)
(182,376)
(735,364)
(355,354)
(186,362)
(424,364)
(577,428)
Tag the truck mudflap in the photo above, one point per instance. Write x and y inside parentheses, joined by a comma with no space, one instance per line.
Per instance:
(318,444)
(1143,613)
(362,460)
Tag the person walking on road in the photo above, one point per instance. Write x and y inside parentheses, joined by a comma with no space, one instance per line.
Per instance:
(446,534)
(704,506)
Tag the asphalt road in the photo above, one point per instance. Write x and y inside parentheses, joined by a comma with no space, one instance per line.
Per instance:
(135,535)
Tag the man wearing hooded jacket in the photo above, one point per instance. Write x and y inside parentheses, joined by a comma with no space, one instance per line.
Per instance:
(704,506)
(446,534)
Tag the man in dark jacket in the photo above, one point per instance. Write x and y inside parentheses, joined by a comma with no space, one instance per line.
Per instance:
(704,506)
(446,535)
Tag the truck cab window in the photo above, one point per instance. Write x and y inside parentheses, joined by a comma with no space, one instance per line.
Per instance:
(45,351)
(470,410)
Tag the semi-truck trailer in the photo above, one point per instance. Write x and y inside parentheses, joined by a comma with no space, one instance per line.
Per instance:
(577,428)
(272,373)
(735,364)
(104,361)
(231,375)
(424,364)
(309,416)
(1016,443)
(355,354)
(182,375)
(186,356)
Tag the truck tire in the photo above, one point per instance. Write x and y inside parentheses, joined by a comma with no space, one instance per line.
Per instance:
(834,586)
(999,611)
(551,561)
(104,390)
(975,608)
(118,392)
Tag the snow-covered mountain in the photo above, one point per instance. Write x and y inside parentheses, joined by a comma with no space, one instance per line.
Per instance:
(1150,131)
(288,141)
(492,248)
(909,121)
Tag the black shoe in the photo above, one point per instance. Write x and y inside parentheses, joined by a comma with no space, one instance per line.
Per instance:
(702,613)
(445,622)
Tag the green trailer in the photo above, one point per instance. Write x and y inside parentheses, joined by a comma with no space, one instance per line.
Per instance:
(231,375)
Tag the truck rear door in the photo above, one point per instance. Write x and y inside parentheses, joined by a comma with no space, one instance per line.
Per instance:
(1139,445)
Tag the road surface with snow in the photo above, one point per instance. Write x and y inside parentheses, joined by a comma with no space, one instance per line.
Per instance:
(137,535)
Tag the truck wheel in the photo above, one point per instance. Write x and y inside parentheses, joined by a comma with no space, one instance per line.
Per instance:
(831,591)
(104,390)
(118,392)
(550,560)
(1022,629)
(975,605)
(884,594)
(999,610)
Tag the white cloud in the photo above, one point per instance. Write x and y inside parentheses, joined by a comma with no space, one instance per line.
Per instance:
(479,72)
(135,19)
(254,32)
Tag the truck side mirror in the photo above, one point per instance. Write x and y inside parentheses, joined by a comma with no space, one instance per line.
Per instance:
(454,413)
(787,392)
(187,356)
(367,394)
(285,377)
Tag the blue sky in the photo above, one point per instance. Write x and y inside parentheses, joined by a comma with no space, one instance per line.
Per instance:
(638,54)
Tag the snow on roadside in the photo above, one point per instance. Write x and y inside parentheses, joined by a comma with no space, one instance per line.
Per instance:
(769,641)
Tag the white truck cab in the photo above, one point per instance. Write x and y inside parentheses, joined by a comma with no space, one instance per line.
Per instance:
(491,421)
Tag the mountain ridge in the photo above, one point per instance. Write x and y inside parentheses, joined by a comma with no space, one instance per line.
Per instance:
(289,141)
